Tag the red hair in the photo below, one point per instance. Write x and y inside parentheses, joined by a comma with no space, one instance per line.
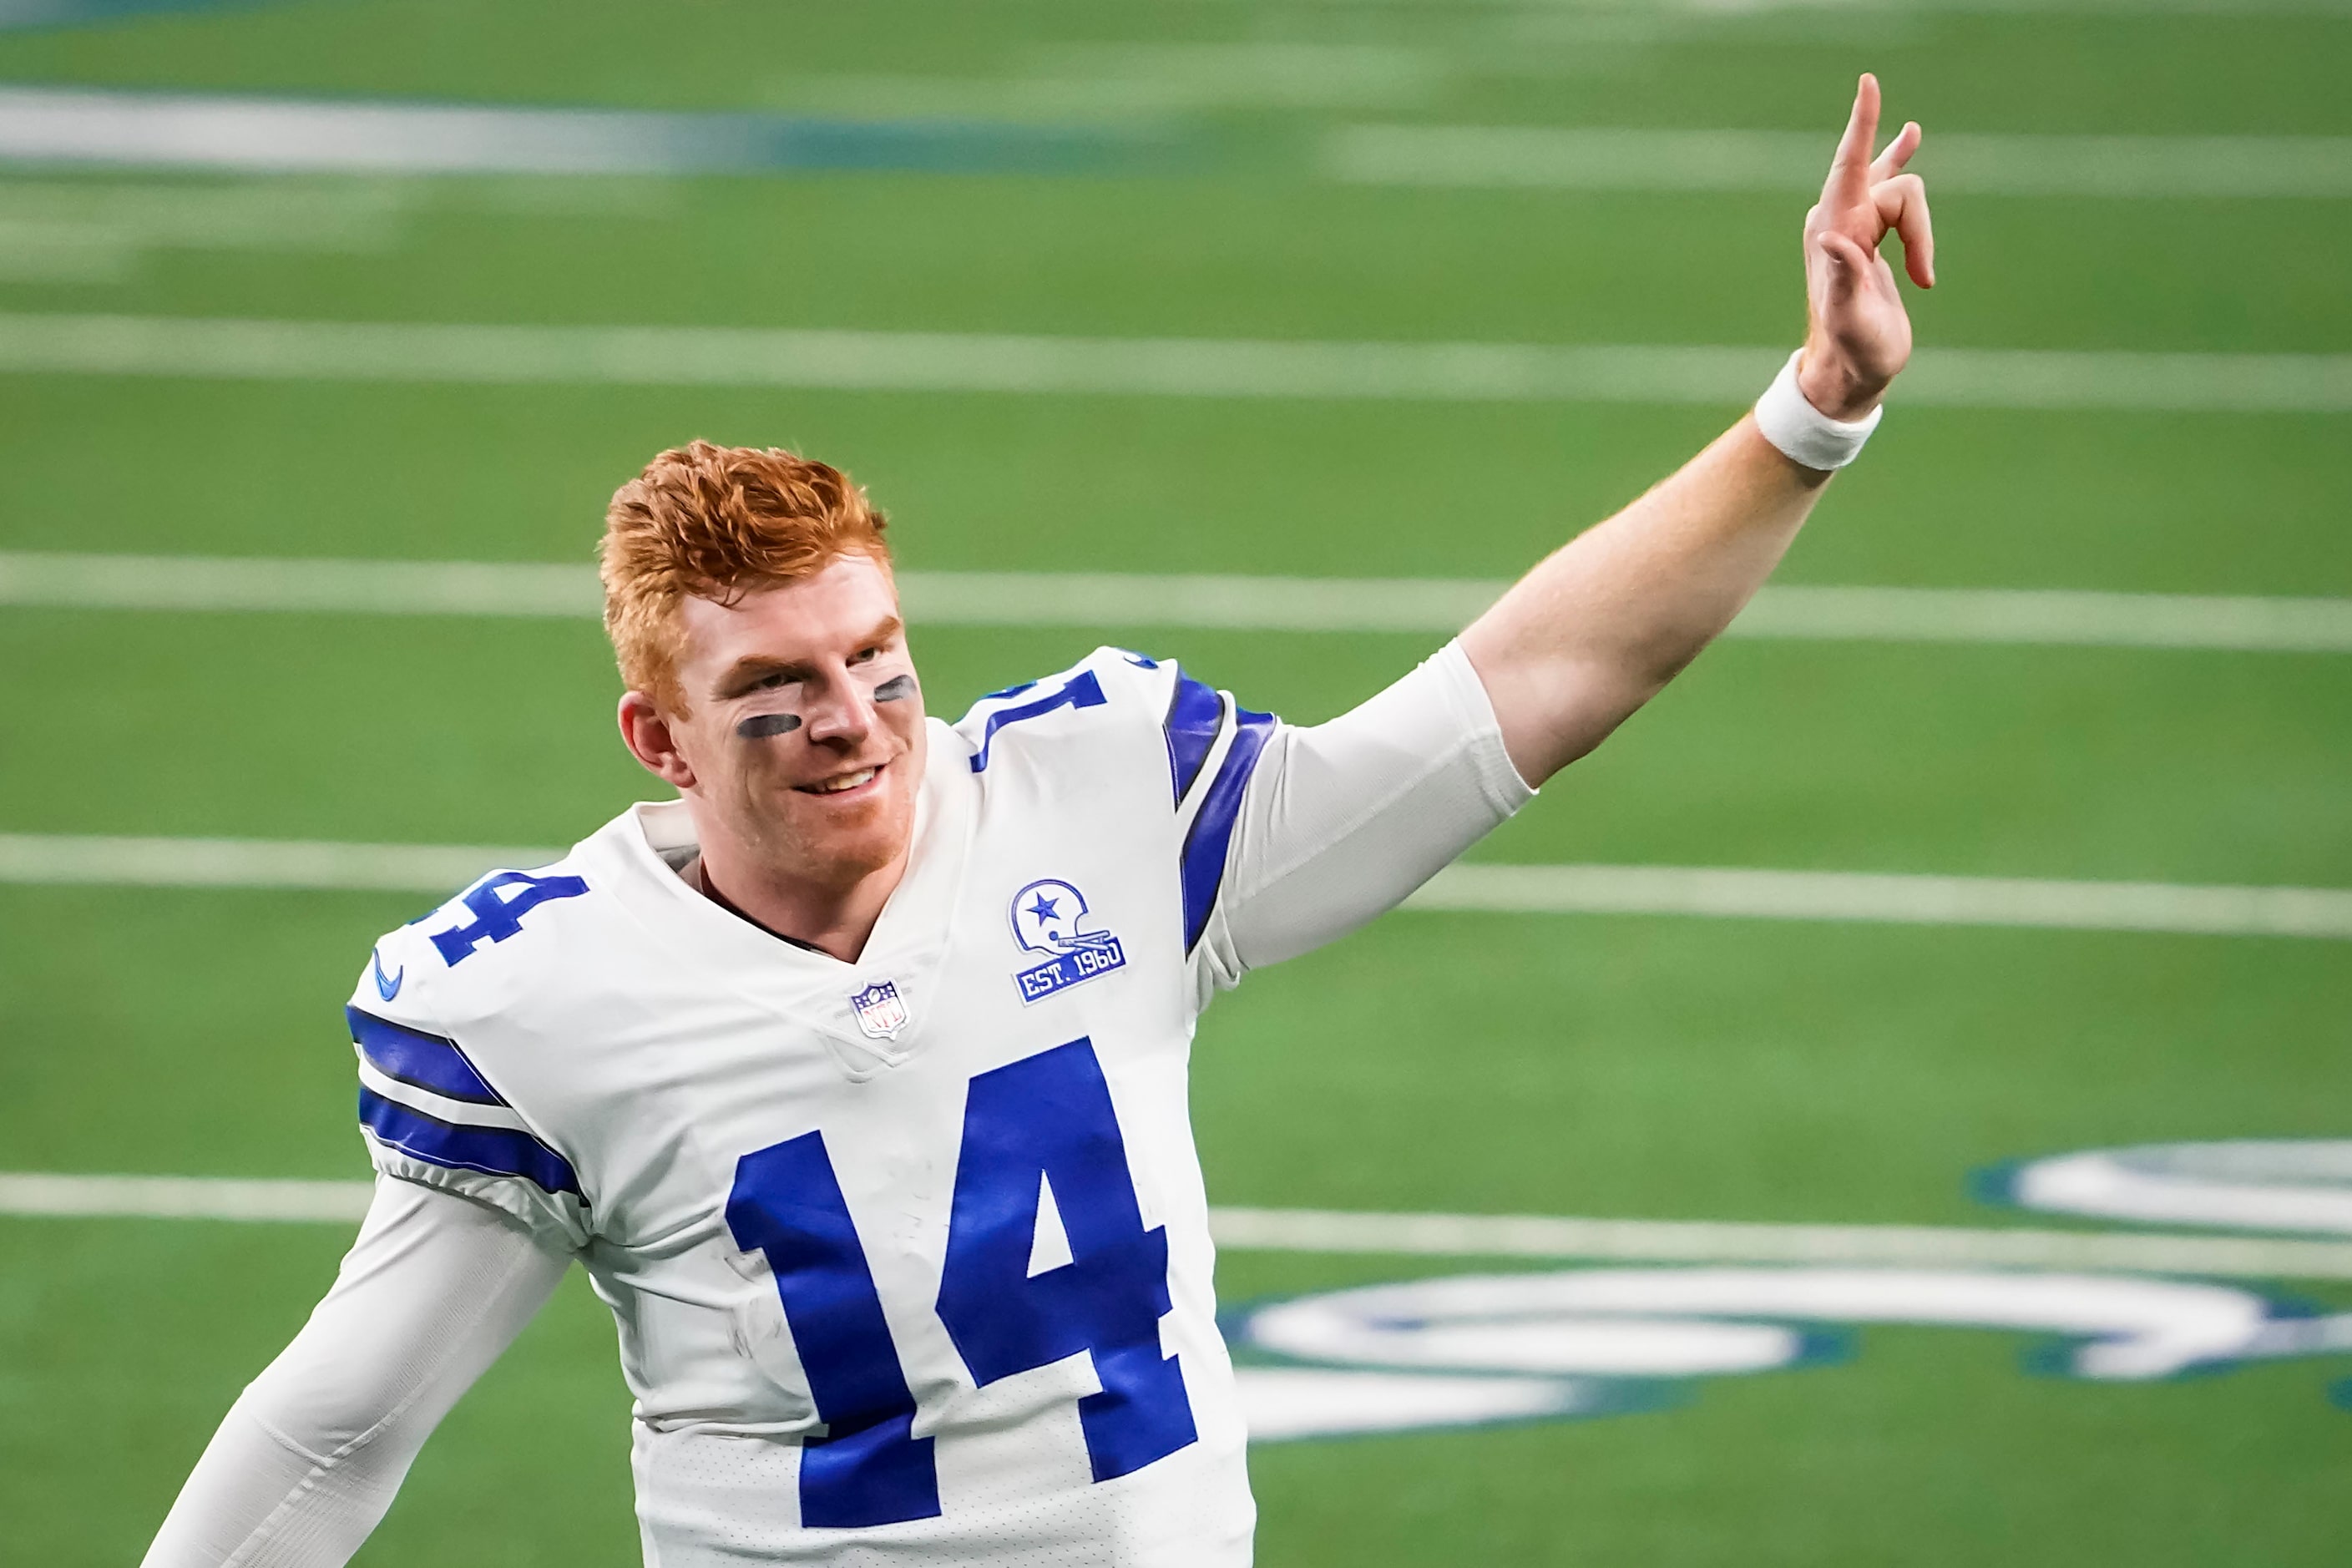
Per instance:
(718,523)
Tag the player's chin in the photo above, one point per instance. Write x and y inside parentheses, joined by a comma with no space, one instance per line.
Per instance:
(857,845)
(867,821)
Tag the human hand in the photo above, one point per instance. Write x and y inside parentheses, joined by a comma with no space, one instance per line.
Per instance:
(1857,334)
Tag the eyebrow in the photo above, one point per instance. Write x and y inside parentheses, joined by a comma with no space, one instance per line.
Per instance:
(752,669)
(745,674)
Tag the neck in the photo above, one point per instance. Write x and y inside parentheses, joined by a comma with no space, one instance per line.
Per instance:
(833,919)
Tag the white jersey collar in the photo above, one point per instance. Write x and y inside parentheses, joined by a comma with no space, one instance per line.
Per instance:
(636,852)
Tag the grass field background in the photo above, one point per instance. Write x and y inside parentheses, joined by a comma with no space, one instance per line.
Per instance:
(1635,1067)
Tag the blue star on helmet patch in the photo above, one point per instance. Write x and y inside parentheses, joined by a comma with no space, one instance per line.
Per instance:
(881,1011)
(1050,917)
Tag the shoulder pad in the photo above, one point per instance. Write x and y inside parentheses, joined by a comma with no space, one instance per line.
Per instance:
(1109,691)
(432,1108)
(450,963)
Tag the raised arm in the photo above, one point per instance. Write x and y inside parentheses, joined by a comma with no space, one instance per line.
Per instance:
(1604,622)
(1341,821)
(309,1458)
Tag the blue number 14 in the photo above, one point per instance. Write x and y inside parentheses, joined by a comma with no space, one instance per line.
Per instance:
(1045,1121)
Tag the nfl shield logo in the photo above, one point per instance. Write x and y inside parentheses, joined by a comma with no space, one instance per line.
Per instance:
(881,1011)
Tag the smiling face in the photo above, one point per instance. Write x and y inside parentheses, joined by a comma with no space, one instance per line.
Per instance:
(801,746)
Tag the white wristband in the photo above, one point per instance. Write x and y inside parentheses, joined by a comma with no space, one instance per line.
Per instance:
(1803,433)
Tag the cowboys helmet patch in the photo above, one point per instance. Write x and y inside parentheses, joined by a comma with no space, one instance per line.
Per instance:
(881,1011)
(1050,917)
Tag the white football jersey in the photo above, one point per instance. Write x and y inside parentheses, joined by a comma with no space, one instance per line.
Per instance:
(910,1257)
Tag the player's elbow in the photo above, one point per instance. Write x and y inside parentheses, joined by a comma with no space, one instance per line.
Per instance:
(1552,716)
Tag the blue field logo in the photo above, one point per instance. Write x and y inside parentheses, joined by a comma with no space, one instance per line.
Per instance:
(1612,1335)
(1049,917)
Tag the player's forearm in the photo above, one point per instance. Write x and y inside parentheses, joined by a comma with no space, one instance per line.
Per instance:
(257,1502)
(1605,621)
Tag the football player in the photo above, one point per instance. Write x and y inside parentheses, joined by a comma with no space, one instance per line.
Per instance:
(855,1076)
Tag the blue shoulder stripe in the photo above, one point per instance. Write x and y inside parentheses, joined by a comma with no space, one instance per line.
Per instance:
(493,1150)
(427,1062)
(1203,864)
(1194,714)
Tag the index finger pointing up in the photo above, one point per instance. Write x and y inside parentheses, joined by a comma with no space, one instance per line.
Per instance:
(1849,181)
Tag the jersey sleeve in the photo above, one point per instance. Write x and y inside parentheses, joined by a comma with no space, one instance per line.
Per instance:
(1283,837)
(1307,833)
(430,1115)
(313,1450)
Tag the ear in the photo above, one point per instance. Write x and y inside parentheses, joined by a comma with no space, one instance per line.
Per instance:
(647,734)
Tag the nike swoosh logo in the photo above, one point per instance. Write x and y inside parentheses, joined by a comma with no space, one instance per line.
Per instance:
(386,985)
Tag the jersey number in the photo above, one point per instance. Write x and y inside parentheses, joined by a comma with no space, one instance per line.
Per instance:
(1045,1121)
(1081,690)
(498,903)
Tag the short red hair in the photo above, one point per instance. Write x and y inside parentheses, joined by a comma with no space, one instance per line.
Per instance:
(716,522)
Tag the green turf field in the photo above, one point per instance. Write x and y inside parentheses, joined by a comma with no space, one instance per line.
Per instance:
(1619,1066)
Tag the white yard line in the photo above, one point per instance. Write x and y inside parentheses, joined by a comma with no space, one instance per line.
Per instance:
(99,127)
(215,349)
(1324,1230)
(2060,617)
(1117,600)
(1889,898)
(1954,163)
(1696,1241)
(89,127)
(181,1197)
(348,587)
(439,870)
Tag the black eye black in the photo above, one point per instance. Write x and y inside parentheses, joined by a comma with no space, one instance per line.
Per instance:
(760,726)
